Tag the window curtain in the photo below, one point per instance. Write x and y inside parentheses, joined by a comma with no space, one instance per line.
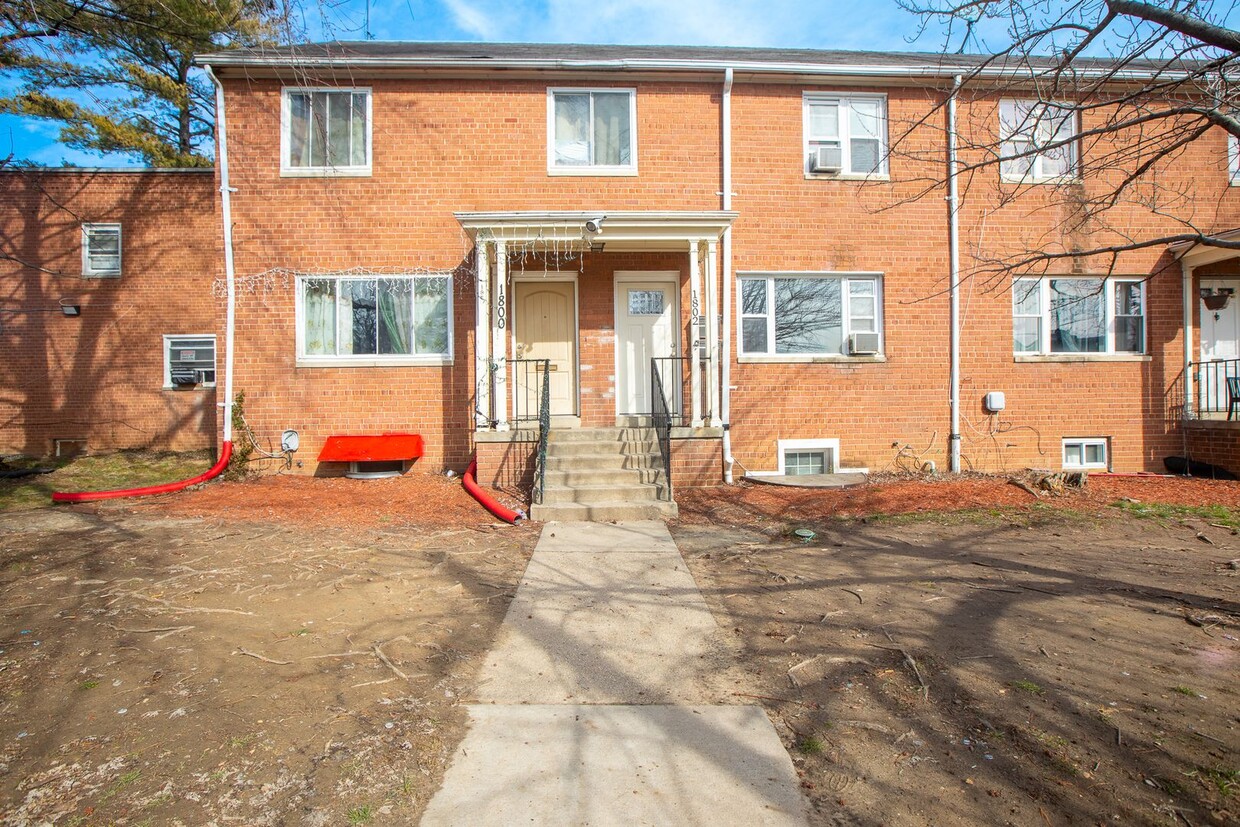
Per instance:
(430,301)
(572,118)
(395,315)
(299,129)
(865,140)
(1077,318)
(611,129)
(319,306)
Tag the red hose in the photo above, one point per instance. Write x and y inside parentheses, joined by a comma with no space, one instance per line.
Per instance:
(471,485)
(166,488)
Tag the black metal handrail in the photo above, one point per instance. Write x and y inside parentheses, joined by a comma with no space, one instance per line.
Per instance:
(527,376)
(661,419)
(544,428)
(1217,383)
(670,371)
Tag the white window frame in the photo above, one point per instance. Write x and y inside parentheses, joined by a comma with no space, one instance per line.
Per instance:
(1035,174)
(169,338)
(369,359)
(88,270)
(287,170)
(591,169)
(1233,160)
(1109,316)
(1084,465)
(845,309)
(843,101)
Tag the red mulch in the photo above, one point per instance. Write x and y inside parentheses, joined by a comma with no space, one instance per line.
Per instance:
(414,499)
(941,494)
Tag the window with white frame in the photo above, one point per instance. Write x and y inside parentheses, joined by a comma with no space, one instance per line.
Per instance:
(325,131)
(101,250)
(189,360)
(811,314)
(374,318)
(592,131)
(1233,160)
(845,134)
(1037,140)
(1078,315)
(1084,453)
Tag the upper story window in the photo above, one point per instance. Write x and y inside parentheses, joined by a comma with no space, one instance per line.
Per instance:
(592,131)
(101,250)
(325,132)
(845,135)
(1233,160)
(810,315)
(1037,141)
(1078,315)
(347,320)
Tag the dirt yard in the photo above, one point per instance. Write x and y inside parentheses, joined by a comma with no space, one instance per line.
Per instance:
(1073,663)
(216,657)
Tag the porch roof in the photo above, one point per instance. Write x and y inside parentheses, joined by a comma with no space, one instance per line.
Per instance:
(623,230)
(1198,253)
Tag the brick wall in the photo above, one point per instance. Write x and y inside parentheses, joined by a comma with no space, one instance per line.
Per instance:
(100,376)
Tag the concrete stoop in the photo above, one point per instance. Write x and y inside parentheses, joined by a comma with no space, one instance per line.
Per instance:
(603,475)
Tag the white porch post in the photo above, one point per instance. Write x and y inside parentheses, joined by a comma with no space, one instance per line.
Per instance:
(482,338)
(1190,301)
(712,330)
(695,312)
(499,335)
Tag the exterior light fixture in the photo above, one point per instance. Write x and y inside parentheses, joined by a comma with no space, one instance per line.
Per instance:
(71,307)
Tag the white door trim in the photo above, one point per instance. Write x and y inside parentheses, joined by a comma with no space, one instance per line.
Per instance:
(558,276)
(621,277)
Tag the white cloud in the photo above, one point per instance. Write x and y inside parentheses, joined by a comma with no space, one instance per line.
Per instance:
(478,22)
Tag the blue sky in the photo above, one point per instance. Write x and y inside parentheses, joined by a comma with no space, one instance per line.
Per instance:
(826,24)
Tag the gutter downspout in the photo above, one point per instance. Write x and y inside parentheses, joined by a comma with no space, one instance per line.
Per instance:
(725,399)
(953,222)
(1190,297)
(230,316)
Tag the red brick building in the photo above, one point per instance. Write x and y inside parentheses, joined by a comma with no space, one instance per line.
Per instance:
(418,226)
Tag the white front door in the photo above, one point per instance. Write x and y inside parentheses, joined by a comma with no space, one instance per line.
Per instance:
(545,327)
(1220,340)
(647,310)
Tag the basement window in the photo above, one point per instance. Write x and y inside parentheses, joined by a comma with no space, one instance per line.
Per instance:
(1085,453)
(189,361)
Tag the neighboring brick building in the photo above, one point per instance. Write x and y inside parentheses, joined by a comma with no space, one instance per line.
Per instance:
(416,225)
(136,252)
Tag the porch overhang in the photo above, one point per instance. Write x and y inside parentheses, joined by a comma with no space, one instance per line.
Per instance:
(617,231)
(1194,254)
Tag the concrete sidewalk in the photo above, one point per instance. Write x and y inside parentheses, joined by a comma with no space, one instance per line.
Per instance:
(605,700)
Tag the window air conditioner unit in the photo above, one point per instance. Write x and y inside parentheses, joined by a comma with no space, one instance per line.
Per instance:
(185,376)
(863,344)
(826,159)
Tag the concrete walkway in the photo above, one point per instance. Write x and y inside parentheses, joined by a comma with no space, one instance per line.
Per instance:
(607,700)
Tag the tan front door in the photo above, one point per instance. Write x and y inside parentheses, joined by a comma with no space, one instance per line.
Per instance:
(545,328)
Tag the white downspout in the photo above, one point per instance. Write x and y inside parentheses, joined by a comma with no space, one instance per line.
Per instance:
(230,315)
(725,403)
(953,222)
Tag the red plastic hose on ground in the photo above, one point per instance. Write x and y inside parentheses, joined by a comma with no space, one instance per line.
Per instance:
(166,488)
(471,485)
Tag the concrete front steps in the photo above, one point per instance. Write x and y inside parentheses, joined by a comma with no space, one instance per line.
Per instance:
(603,474)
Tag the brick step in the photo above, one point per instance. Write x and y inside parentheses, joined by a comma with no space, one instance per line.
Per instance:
(603,476)
(613,461)
(603,511)
(590,494)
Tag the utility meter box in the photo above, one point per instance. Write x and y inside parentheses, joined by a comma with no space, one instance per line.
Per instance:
(995,401)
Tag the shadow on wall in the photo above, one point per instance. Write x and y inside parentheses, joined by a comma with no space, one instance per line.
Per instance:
(99,376)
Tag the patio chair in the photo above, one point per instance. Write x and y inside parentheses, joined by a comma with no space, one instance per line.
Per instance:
(1233,395)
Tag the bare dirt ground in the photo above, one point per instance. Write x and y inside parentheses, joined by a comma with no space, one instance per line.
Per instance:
(229,656)
(1072,663)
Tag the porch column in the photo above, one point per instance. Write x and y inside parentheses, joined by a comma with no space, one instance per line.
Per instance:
(695,342)
(499,335)
(712,330)
(482,337)
(1190,301)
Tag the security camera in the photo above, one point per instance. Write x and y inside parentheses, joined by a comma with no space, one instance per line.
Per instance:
(595,225)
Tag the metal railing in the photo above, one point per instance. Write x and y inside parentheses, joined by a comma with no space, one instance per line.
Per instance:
(544,428)
(669,374)
(1217,388)
(661,419)
(527,377)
